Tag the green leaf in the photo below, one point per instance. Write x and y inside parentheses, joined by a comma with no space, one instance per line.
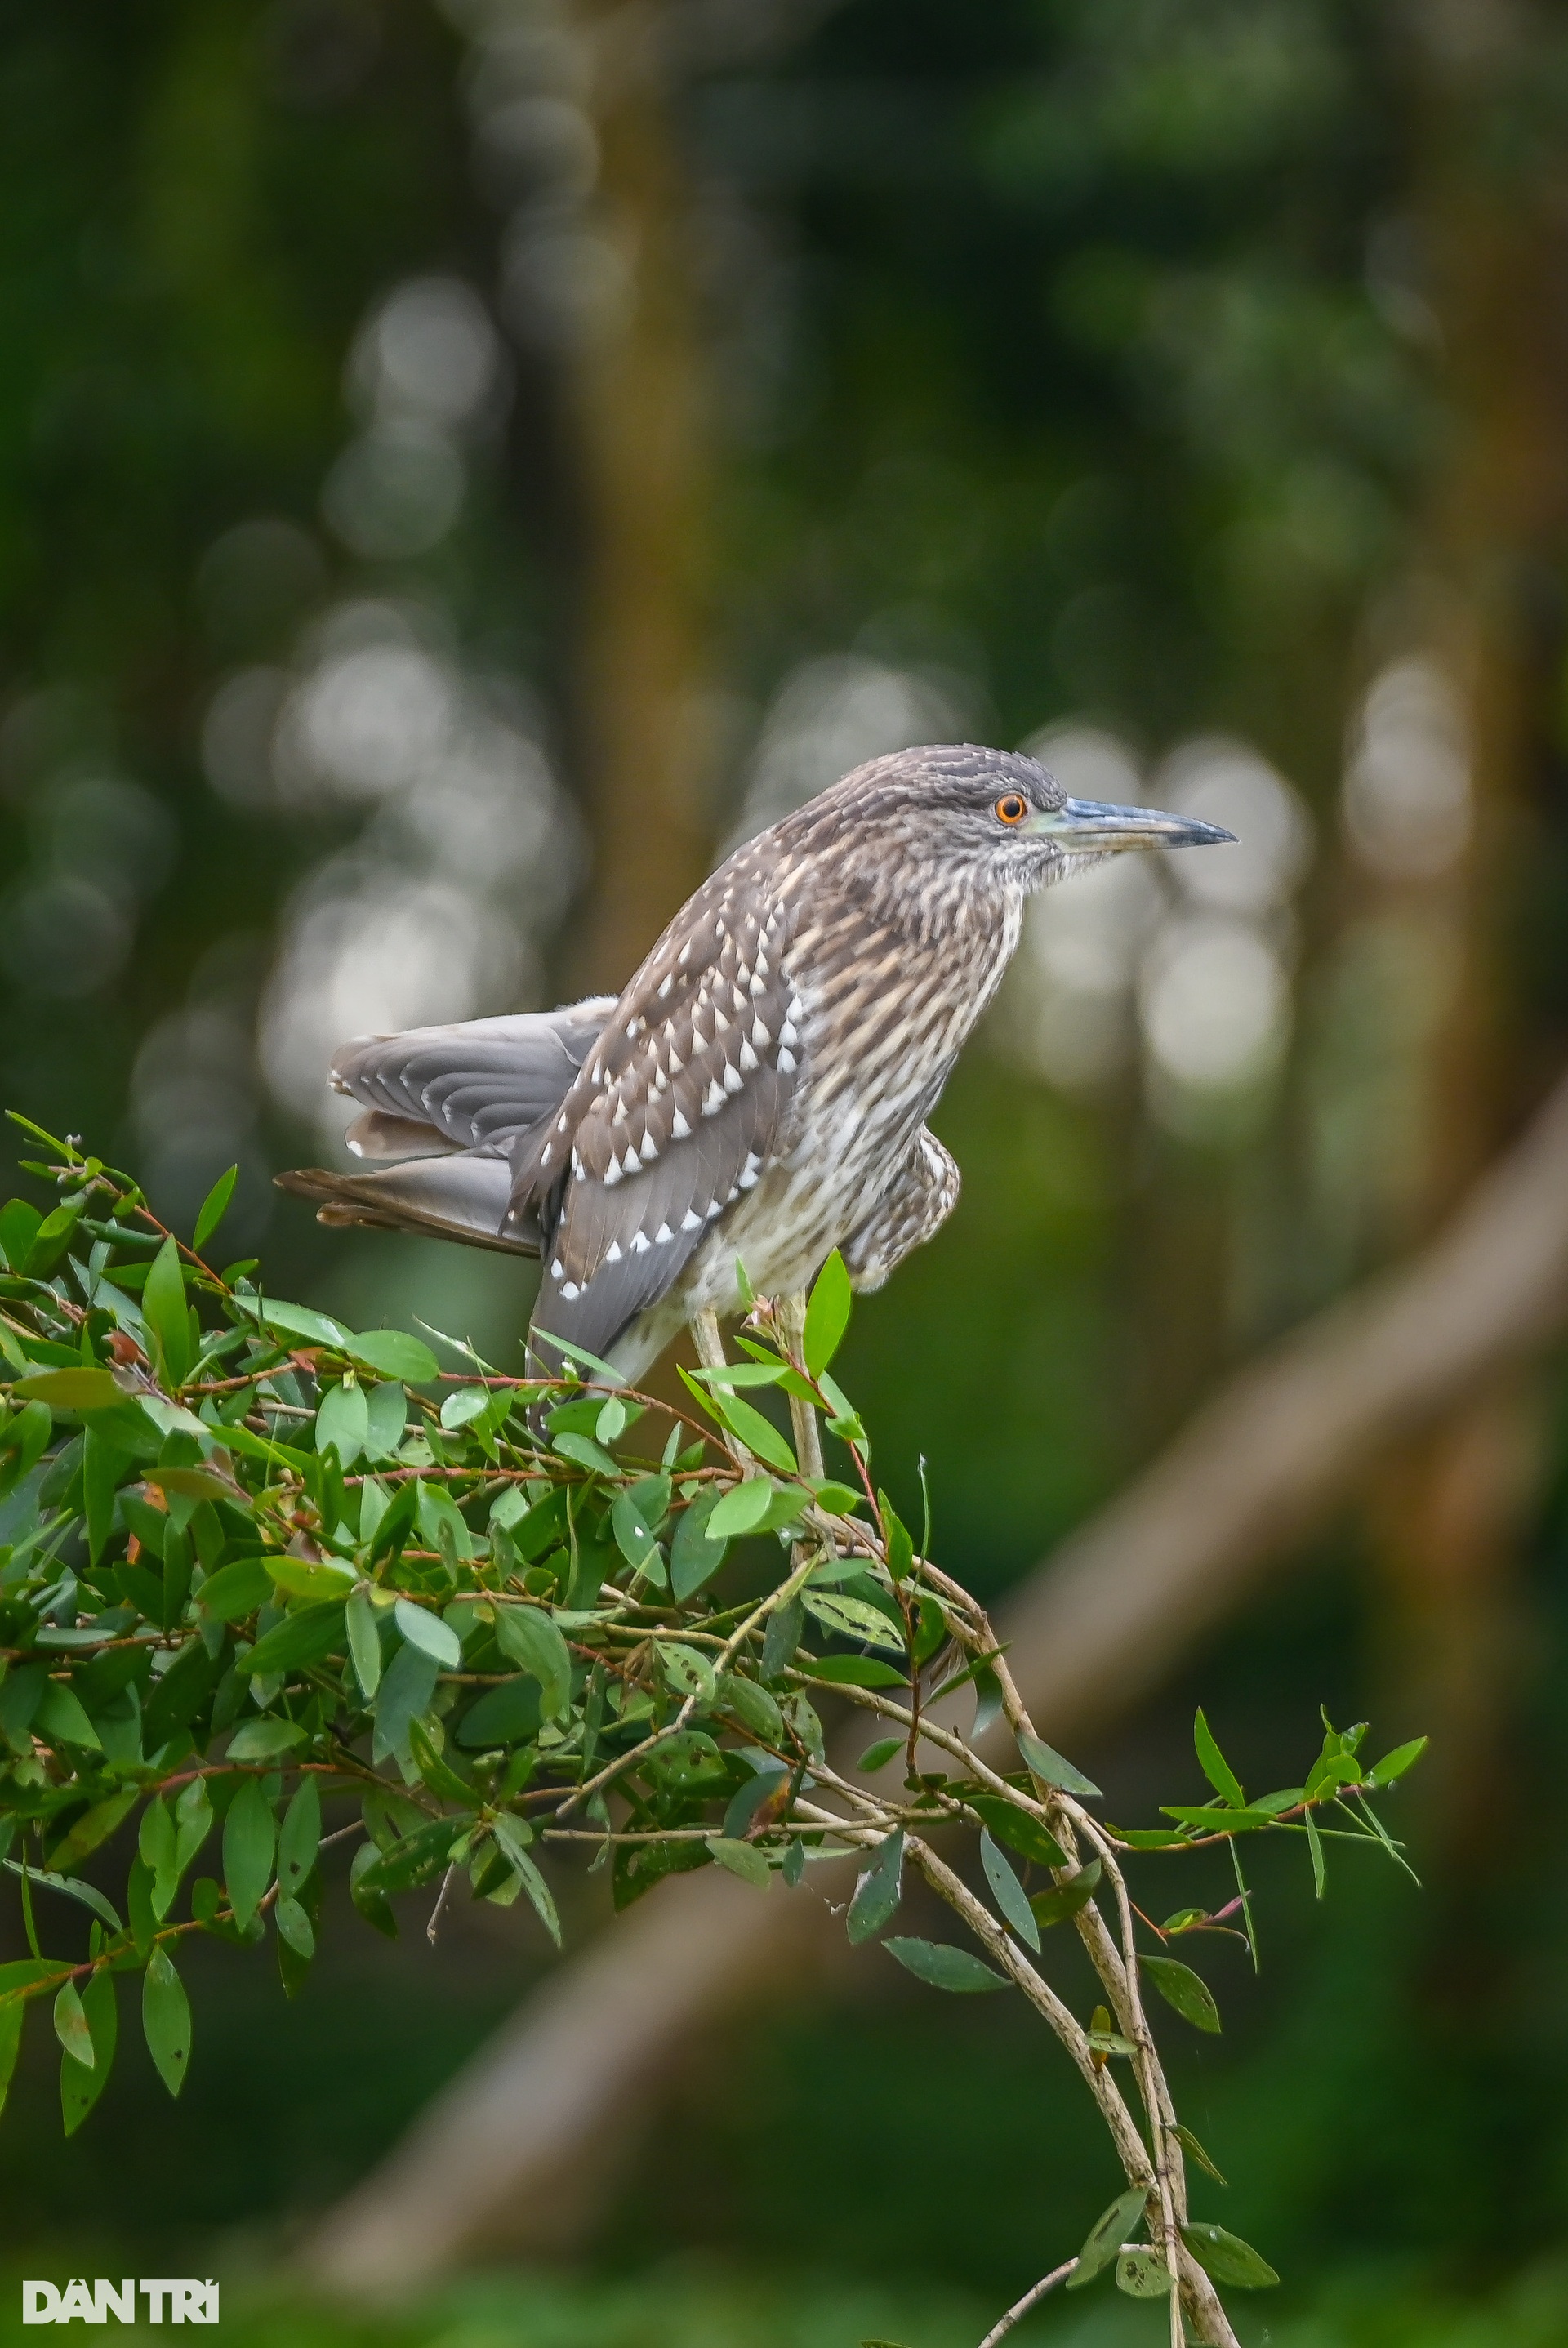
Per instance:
(61,1719)
(81,2085)
(752,1705)
(95,1825)
(250,1838)
(84,1389)
(1218,1822)
(742,1510)
(437,1772)
(759,1434)
(407,1686)
(1319,1866)
(1102,2243)
(530,1638)
(634,1536)
(301,1577)
(193,1482)
(695,1554)
(425,1630)
(166,2019)
(299,1837)
(1194,2151)
(1215,1767)
(297,1321)
(1227,2259)
(265,1740)
(302,1637)
(603,1370)
(852,1671)
(386,1416)
(1019,1829)
(417,1858)
(509,1835)
(1143,2274)
(584,1452)
(898,1539)
(1065,1899)
(942,1965)
(294,1927)
(1008,1893)
(1394,1765)
(163,1309)
(742,1859)
(826,1314)
(214,1207)
(877,1756)
(853,1617)
(10,2044)
(72,2027)
(235,1591)
(686,1669)
(86,1894)
(1048,1765)
(363,1642)
(392,1354)
(878,1890)
(342,1421)
(1181,1987)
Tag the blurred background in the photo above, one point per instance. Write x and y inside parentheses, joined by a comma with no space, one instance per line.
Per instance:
(463,466)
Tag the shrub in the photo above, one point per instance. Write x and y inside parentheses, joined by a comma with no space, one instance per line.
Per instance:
(268,1584)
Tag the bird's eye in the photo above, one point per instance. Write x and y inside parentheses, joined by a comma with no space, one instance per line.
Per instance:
(1011,809)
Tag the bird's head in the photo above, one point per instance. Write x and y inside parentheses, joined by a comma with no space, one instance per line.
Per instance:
(957,814)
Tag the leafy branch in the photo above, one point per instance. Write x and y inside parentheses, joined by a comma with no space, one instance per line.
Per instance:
(254,1563)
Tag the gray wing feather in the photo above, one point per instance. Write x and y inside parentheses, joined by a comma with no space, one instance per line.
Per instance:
(470,1087)
(679,1107)
(459,1197)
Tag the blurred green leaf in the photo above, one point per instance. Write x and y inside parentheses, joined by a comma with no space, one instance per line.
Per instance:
(1102,2243)
(214,1207)
(942,1965)
(250,1839)
(826,1314)
(82,2083)
(392,1354)
(529,1637)
(742,1859)
(163,1309)
(1008,1893)
(166,2019)
(1051,1769)
(85,1389)
(1227,2259)
(1215,1767)
(1181,1987)
(878,1890)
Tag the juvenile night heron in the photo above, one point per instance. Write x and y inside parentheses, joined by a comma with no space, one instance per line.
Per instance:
(761,1087)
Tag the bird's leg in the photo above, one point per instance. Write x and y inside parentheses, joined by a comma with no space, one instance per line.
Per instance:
(705,1333)
(790,1313)
(710,1353)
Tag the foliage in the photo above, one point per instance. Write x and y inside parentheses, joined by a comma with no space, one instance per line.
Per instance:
(270,1583)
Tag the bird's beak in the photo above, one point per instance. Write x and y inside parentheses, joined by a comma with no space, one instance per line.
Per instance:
(1094,827)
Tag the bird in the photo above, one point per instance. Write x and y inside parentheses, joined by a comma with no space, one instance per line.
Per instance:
(757,1094)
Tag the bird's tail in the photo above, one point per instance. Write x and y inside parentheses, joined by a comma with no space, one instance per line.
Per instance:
(462,1197)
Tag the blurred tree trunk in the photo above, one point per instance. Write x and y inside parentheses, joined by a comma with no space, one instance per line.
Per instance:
(636,418)
(1449,1512)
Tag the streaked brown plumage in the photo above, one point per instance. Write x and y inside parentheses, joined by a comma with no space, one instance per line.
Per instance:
(761,1087)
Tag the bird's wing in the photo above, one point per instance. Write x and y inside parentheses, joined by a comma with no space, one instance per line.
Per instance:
(448,1104)
(458,1196)
(909,1211)
(680,1109)
(475,1086)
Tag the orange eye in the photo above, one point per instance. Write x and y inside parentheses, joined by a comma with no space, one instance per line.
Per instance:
(1011,809)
